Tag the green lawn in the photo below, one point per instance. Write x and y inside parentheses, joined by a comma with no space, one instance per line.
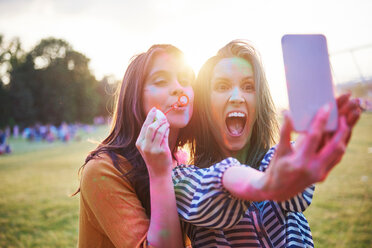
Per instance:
(37,179)
(341,213)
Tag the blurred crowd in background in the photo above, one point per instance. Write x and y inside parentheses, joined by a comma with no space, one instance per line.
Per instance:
(47,133)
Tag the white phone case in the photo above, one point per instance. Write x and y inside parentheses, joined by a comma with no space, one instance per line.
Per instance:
(309,79)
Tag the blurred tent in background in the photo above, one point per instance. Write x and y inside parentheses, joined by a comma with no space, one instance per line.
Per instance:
(359,83)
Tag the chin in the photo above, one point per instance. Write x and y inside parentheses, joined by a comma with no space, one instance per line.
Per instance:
(235,147)
(178,124)
(236,144)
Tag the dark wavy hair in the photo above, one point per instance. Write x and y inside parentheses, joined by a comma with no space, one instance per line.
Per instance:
(128,119)
(205,148)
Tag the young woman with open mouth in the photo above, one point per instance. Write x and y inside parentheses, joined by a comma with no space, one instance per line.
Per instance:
(241,201)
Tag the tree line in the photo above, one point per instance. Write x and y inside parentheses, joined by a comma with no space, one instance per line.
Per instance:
(49,84)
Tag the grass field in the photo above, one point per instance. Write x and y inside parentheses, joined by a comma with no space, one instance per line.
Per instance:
(37,179)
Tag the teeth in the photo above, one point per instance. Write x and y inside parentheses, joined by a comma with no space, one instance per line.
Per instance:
(236,114)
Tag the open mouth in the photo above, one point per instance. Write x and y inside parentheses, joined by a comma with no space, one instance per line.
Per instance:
(235,122)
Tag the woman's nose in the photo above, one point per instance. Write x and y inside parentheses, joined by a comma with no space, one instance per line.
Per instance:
(236,97)
(177,89)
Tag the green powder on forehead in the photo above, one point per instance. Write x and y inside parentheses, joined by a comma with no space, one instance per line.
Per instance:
(241,63)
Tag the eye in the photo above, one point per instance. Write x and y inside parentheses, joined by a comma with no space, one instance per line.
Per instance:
(160,82)
(248,86)
(221,86)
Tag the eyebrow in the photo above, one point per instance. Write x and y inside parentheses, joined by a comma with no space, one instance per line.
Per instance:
(227,79)
(187,73)
(249,77)
(157,73)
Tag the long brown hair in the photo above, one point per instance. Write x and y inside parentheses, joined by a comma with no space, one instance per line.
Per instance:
(128,119)
(205,149)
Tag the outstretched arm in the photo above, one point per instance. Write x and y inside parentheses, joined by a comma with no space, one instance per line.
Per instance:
(295,168)
(299,202)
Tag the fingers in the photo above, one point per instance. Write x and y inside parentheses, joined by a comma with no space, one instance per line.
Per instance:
(160,116)
(341,100)
(284,145)
(333,151)
(351,110)
(149,119)
(314,136)
(354,116)
(351,120)
(152,132)
(149,131)
(159,136)
(166,138)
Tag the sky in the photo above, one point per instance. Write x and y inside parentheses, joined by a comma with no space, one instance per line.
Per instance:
(110,32)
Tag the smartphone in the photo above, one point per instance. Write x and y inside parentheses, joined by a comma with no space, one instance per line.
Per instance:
(309,79)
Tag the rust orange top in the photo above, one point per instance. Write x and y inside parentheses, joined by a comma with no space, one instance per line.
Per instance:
(111,215)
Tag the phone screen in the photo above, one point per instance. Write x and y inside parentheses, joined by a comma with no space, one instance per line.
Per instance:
(309,79)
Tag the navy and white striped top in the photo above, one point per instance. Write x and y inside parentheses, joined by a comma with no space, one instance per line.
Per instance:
(212,217)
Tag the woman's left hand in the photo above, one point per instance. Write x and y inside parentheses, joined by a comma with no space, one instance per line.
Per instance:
(350,109)
(293,168)
(152,143)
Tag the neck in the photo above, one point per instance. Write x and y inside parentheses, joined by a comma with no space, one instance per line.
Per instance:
(240,155)
(173,135)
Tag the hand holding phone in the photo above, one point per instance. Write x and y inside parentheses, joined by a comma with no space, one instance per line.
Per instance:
(309,79)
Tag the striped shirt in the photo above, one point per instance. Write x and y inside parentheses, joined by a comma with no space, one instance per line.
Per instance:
(212,217)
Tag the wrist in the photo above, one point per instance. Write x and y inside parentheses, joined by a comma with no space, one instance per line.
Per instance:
(260,187)
(246,183)
(157,170)
(160,175)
